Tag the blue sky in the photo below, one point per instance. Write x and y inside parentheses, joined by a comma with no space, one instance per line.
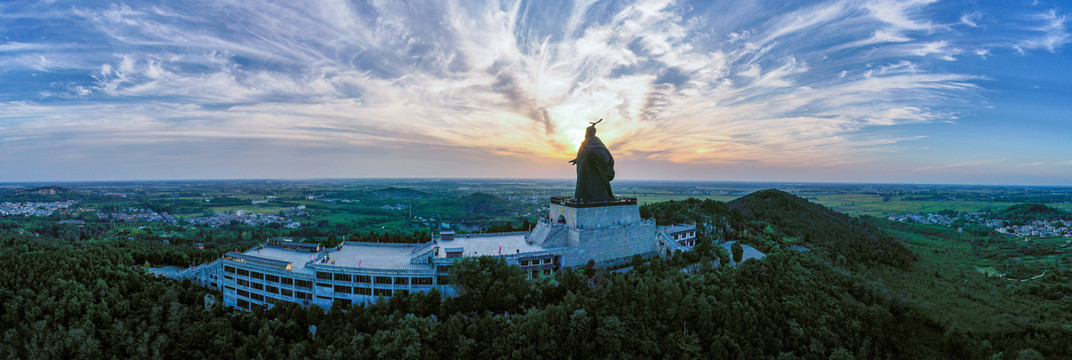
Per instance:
(845,91)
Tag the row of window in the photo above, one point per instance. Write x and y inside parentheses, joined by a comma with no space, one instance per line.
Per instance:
(245,304)
(267,277)
(337,288)
(357,290)
(286,292)
(274,290)
(242,303)
(684,235)
(387,280)
(534,262)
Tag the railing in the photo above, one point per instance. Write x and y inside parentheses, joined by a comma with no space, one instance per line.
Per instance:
(363,271)
(672,244)
(575,202)
(423,247)
(188,272)
(421,254)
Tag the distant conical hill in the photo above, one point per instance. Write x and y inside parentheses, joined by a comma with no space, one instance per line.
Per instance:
(398,193)
(822,228)
(45,190)
(1025,213)
(485,204)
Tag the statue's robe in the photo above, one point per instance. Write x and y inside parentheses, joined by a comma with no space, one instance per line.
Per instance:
(595,170)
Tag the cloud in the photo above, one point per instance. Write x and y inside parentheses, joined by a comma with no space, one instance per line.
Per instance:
(900,14)
(814,85)
(940,49)
(1048,163)
(16,46)
(971,19)
(966,164)
(1052,27)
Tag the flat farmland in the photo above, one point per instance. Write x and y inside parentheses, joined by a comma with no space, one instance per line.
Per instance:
(250,208)
(873,205)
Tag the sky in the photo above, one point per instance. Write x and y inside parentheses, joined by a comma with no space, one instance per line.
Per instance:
(963,92)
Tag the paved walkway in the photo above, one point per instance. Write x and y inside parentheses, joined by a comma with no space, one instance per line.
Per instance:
(164,270)
(749,252)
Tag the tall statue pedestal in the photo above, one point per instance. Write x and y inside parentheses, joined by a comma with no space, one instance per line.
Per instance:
(608,232)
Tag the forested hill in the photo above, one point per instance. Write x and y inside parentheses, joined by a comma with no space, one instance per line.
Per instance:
(484,204)
(90,298)
(398,193)
(817,226)
(1025,213)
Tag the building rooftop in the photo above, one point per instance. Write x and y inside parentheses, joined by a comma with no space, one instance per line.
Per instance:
(676,228)
(380,256)
(479,245)
(375,256)
(291,243)
(297,259)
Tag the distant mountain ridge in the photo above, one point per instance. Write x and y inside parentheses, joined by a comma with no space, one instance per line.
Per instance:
(818,226)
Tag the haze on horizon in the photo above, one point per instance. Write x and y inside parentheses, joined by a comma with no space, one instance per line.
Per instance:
(824,91)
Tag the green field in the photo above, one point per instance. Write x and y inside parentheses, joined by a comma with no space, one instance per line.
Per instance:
(259,208)
(956,285)
(648,198)
(873,205)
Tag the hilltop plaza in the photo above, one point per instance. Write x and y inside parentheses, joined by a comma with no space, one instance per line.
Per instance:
(591,226)
(358,272)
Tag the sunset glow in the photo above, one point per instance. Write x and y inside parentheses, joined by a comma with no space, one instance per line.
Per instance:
(885,91)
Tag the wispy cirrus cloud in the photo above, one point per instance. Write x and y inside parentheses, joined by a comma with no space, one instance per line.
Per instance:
(966,164)
(1048,163)
(811,85)
(1053,32)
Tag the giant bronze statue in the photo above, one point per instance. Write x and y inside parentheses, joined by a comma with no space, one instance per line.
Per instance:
(595,168)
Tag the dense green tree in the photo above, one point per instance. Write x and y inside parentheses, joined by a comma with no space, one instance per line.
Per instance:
(489,283)
(92,299)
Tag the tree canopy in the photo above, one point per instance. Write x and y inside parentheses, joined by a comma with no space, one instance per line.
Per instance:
(93,299)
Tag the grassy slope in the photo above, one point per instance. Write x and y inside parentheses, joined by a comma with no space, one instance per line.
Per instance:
(946,281)
(869,204)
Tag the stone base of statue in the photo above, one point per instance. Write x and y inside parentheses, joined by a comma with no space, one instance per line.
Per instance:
(609,232)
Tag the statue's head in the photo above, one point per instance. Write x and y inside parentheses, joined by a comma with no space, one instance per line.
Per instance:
(590,132)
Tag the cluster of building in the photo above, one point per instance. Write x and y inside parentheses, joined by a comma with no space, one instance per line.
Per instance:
(395,207)
(297,211)
(335,201)
(32,208)
(248,218)
(112,193)
(576,233)
(133,214)
(1038,228)
(930,219)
